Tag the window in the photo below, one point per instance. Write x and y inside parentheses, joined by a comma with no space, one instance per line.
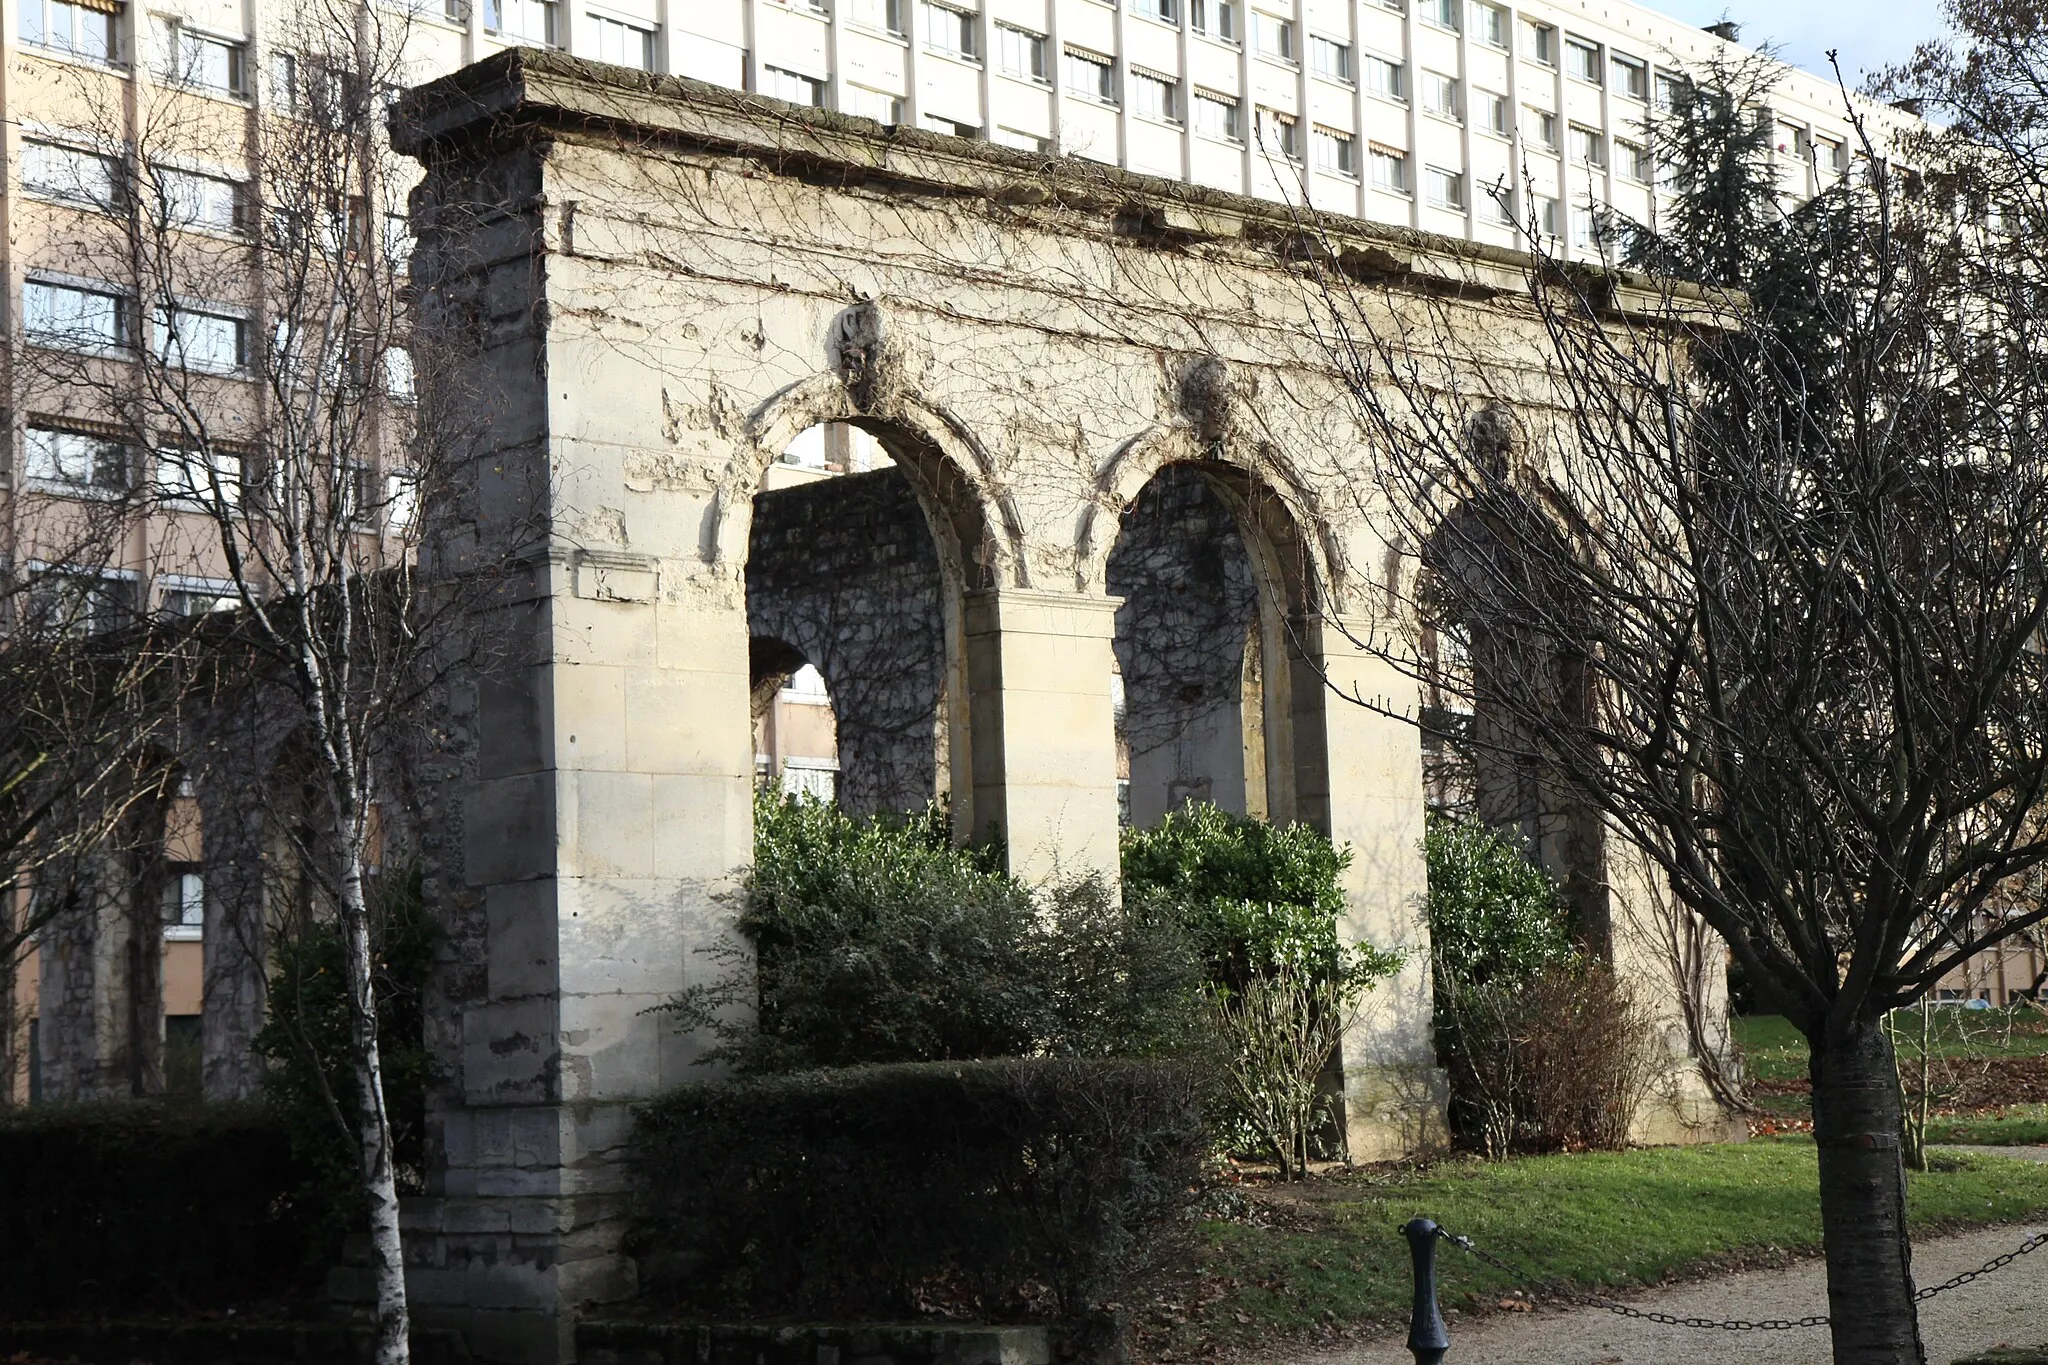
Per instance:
(1336,152)
(623,44)
(1279,133)
(75,459)
(397,241)
(948,30)
(1217,18)
(1440,95)
(1539,42)
(1090,76)
(91,30)
(1331,58)
(207,202)
(401,501)
(71,174)
(1831,154)
(1497,202)
(1218,116)
(80,601)
(198,60)
(793,86)
(398,378)
(184,901)
(1632,160)
(1442,13)
(74,317)
(1388,80)
(189,597)
(875,104)
(1588,148)
(1492,112)
(1022,141)
(1019,53)
(1582,61)
(193,339)
(1585,227)
(1631,77)
(528,21)
(1540,127)
(1445,189)
(1490,24)
(1165,11)
(951,127)
(1389,169)
(1546,216)
(1273,35)
(886,15)
(1155,97)
(455,11)
(191,476)
(1670,90)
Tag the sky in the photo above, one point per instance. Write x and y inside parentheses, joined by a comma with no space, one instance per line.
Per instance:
(1868,34)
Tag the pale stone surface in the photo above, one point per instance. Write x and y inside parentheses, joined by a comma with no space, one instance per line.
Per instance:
(664,284)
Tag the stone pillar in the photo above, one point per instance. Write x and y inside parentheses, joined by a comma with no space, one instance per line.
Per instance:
(235,801)
(1371,797)
(1043,736)
(85,956)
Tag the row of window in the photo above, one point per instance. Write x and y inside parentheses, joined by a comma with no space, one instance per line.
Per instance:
(91,30)
(61,458)
(78,317)
(192,200)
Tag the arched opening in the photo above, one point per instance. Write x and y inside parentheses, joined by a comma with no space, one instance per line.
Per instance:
(1497,668)
(848,607)
(1208,647)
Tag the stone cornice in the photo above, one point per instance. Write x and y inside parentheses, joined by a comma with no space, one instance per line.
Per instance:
(527,93)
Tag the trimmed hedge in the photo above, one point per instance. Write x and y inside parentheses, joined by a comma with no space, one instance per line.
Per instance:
(137,1207)
(1008,1189)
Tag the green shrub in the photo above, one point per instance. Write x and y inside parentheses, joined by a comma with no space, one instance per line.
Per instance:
(877,1191)
(1253,896)
(311,1085)
(1546,1049)
(137,1207)
(1493,914)
(875,940)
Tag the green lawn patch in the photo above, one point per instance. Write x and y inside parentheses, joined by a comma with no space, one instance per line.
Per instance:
(1775,1051)
(1328,1254)
(2020,1124)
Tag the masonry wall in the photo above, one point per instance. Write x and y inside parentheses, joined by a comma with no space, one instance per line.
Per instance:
(843,570)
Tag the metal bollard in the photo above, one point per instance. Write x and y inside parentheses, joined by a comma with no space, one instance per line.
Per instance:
(1425,1325)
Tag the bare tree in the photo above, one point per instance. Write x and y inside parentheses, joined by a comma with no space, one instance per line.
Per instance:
(1757,587)
(268,365)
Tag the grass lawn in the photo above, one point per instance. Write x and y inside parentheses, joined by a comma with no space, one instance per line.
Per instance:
(1326,1254)
(2021,1123)
(1775,1051)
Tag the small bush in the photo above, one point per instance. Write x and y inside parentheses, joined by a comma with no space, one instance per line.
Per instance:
(311,1085)
(874,940)
(139,1207)
(1002,1189)
(1254,896)
(1546,1049)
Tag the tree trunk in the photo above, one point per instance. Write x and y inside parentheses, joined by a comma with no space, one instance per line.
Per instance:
(1856,1124)
(373,1122)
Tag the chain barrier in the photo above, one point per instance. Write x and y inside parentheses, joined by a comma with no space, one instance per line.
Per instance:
(2033,1242)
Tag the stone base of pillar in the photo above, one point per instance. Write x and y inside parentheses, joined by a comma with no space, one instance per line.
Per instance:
(1681,1110)
(510,1274)
(1392,1113)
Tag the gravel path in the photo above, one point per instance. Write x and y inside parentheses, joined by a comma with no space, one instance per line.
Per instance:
(2009,1307)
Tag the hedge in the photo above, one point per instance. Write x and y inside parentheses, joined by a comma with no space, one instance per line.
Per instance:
(1006,1190)
(144,1206)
